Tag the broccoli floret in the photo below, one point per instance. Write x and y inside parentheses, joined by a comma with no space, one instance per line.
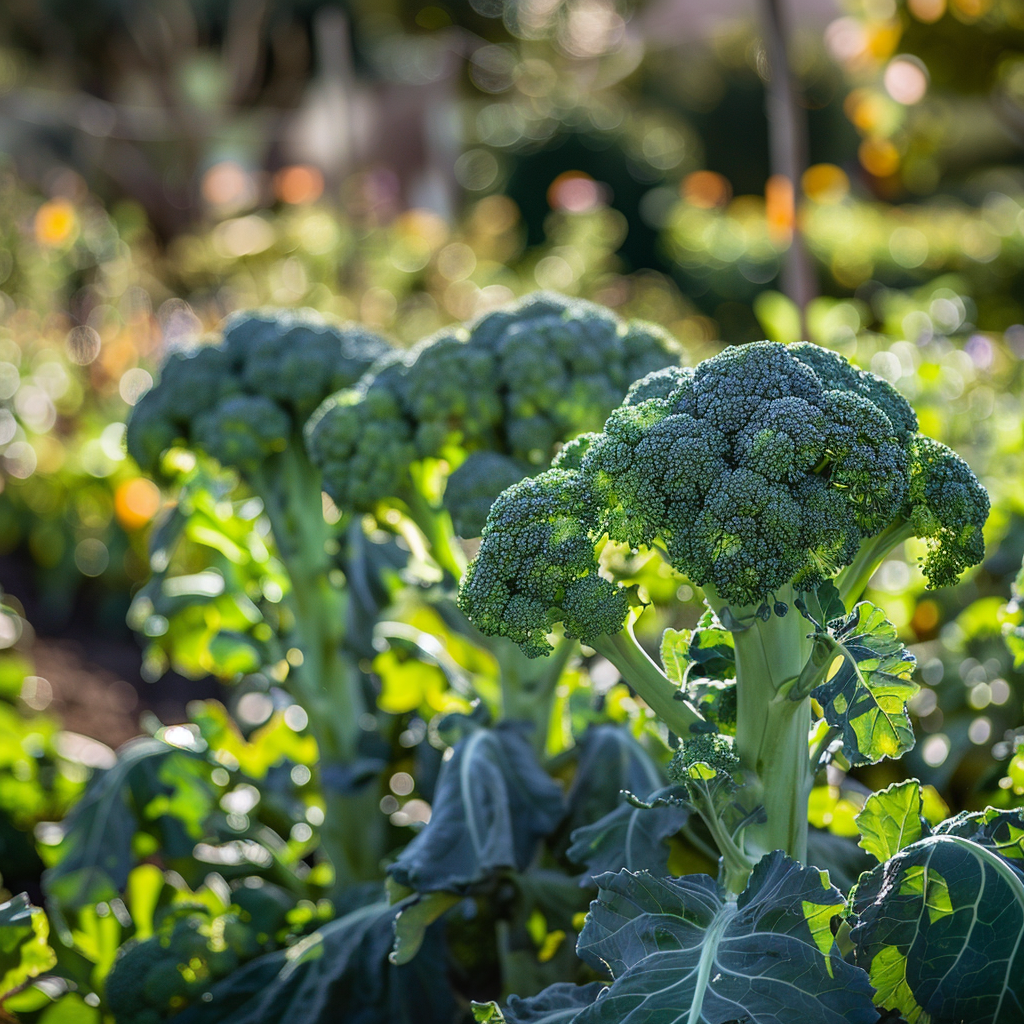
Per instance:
(249,394)
(767,466)
(703,756)
(519,383)
(471,489)
(541,566)
(947,508)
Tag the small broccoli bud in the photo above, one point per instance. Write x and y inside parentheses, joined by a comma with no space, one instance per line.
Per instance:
(702,758)
(541,567)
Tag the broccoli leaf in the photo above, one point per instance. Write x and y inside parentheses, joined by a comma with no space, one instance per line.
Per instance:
(940,926)
(24,947)
(557,1004)
(343,965)
(413,920)
(492,805)
(891,819)
(609,761)
(152,783)
(866,692)
(631,836)
(678,949)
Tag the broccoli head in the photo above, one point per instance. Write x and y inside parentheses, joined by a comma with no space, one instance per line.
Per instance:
(518,383)
(244,397)
(541,566)
(767,465)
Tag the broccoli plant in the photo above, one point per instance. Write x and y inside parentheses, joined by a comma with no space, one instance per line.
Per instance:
(778,479)
(244,401)
(433,435)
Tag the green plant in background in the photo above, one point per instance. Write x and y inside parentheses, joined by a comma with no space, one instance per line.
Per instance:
(245,402)
(778,479)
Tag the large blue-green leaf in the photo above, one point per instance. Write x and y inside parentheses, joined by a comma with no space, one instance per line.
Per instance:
(869,683)
(681,951)
(940,925)
(152,784)
(557,1004)
(633,836)
(609,760)
(339,973)
(24,944)
(492,805)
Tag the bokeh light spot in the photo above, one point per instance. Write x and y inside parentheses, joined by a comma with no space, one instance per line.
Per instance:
(825,184)
(575,192)
(879,157)
(906,80)
(83,345)
(136,502)
(55,222)
(299,184)
(927,11)
(706,189)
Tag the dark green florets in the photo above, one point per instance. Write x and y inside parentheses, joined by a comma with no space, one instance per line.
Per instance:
(947,508)
(245,397)
(765,466)
(519,382)
(541,566)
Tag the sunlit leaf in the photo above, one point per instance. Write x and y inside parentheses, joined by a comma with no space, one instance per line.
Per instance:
(868,686)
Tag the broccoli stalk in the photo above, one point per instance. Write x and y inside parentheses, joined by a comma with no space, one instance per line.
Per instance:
(328,683)
(776,478)
(771,727)
(245,401)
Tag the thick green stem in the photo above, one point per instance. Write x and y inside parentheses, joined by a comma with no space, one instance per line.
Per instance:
(654,687)
(852,581)
(434,522)
(528,684)
(327,683)
(772,729)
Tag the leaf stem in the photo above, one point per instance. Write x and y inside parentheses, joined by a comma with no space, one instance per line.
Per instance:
(638,669)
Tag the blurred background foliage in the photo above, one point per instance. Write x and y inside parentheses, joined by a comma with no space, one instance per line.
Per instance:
(409,165)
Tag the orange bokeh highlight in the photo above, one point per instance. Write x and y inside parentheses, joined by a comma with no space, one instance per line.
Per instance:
(299,184)
(928,11)
(55,222)
(136,502)
(780,207)
(879,157)
(926,617)
(825,184)
(706,189)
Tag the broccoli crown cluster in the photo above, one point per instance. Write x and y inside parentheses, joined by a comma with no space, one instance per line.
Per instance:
(154,979)
(517,383)
(245,397)
(766,465)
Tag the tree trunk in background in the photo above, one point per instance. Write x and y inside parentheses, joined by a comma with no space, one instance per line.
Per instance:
(787,133)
